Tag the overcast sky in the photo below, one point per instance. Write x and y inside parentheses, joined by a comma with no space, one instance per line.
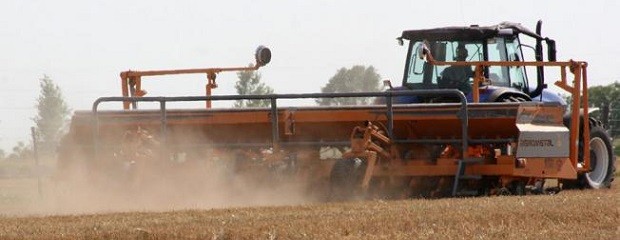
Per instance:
(83,45)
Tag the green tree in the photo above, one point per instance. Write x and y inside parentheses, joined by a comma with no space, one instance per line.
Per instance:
(356,79)
(607,99)
(249,84)
(52,114)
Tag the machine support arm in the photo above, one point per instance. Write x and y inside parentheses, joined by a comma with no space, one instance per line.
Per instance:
(131,81)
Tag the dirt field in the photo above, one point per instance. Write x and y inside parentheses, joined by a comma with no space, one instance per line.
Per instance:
(576,214)
(568,215)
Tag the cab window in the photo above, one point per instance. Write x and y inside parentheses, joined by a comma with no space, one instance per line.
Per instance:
(501,49)
(423,75)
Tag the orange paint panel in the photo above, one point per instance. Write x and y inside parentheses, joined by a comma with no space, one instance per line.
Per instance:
(506,160)
(490,170)
(547,168)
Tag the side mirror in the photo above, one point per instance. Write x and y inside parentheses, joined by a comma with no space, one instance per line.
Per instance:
(400,41)
(551,50)
(262,55)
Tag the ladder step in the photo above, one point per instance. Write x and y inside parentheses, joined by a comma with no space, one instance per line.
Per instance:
(471,177)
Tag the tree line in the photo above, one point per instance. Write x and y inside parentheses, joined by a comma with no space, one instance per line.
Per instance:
(607,99)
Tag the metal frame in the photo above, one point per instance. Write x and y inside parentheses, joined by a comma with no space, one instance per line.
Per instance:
(578,90)
(462,113)
(131,81)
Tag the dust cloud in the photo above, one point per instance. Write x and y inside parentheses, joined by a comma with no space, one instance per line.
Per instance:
(148,185)
(133,170)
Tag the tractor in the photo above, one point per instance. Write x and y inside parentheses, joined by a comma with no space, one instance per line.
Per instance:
(457,50)
(464,122)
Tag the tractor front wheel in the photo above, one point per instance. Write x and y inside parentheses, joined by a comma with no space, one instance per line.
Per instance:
(601,159)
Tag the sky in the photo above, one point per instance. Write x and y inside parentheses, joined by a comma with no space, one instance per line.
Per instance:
(84,45)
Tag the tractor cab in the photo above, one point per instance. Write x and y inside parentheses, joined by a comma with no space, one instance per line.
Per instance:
(469,44)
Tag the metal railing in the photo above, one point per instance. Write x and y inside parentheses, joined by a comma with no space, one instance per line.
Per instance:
(462,113)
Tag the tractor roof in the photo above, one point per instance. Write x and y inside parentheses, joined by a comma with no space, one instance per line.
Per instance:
(471,33)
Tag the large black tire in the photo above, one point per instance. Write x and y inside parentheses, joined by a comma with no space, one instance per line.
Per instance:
(346,178)
(602,159)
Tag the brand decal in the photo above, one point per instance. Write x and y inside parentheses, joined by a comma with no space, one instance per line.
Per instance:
(536,143)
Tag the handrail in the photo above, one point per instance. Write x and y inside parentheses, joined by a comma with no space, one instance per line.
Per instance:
(131,81)
(462,113)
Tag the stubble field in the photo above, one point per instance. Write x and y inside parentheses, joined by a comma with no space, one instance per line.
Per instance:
(575,214)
